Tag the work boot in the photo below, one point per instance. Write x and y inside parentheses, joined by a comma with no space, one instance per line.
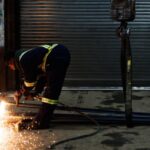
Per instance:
(30,124)
(41,120)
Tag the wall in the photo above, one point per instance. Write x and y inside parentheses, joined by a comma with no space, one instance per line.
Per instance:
(1,24)
(2,66)
(87,29)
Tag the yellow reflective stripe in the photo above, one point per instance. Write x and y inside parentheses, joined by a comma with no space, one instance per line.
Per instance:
(28,84)
(128,65)
(49,47)
(49,101)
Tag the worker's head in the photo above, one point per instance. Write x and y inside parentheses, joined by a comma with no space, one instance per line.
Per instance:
(9,59)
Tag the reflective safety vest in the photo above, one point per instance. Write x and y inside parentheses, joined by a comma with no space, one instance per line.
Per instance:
(49,48)
(49,101)
(42,66)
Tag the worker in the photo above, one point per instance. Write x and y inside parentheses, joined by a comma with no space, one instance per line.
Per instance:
(42,70)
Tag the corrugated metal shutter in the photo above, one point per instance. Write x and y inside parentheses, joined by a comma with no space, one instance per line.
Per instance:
(140,38)
(86,28)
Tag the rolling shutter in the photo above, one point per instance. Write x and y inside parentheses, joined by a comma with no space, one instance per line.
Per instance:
(86,28)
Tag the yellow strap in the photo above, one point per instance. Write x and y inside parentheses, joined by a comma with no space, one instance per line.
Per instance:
(49,101)
(49,47)
(128,65)
(29,84)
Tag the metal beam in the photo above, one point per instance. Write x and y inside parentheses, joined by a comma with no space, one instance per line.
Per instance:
(101,116)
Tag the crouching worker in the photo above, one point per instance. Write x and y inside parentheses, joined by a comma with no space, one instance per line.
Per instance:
(43,69)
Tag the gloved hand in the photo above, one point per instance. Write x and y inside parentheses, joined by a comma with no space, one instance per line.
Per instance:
(17,96)
(28,92)
(30,95)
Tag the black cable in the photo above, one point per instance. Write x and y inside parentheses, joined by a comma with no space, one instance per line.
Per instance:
(77,137)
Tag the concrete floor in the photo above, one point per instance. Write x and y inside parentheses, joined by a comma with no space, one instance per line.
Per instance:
(110,137)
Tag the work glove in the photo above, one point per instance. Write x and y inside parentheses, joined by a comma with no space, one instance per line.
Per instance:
(17,96)
(30,95)
(28,92)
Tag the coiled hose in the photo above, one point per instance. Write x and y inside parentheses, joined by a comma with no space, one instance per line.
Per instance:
(68,108)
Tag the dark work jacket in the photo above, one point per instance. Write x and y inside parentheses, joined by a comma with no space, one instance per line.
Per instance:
(28,63)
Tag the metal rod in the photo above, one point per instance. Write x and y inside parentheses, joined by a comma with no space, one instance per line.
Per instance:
(101,116)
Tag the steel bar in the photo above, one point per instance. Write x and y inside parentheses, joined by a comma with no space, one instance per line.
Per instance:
(87,110)
(109,119)
(101,116)
(101,119)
